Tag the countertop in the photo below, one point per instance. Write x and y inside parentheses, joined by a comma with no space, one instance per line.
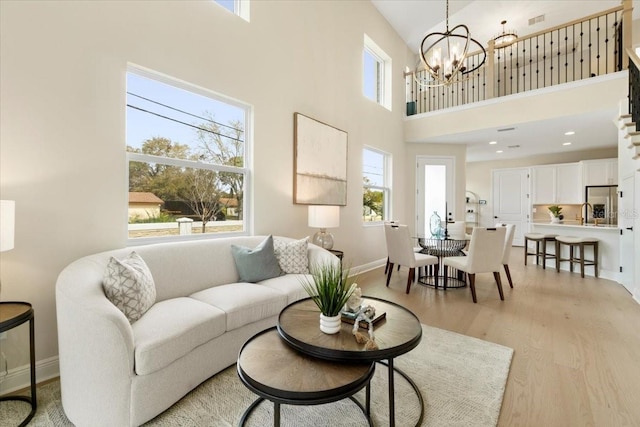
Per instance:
(604,227)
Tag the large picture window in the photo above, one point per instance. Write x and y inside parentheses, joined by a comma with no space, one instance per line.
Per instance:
(187,155)
(376,181)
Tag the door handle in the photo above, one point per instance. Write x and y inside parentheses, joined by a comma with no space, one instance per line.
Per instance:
(630,228)
(495,217)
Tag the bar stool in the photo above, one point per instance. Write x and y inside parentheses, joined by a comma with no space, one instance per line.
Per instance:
(577,243)
(541,239)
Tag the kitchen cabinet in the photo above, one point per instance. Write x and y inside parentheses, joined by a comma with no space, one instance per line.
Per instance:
(557,184)
(600,172)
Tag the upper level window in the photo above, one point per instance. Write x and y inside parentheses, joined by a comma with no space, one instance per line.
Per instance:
(376,79)
(187,155)
(238,7)
(376,181)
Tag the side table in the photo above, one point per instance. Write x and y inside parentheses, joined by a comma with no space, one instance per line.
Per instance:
(339,254)
(12,314)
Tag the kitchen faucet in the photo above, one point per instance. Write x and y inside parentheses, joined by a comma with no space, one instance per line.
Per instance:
(588,206)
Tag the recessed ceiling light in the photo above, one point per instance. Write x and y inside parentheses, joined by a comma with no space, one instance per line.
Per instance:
(570,133)
(566,143)
(493,142)
(499,151)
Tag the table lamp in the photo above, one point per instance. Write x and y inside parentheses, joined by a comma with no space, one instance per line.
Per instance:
(7,223)
(324,217)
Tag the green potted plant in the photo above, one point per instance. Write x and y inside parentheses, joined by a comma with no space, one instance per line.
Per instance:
(329,288)
(555,212)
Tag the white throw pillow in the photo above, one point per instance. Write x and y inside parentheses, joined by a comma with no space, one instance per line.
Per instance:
(129,285)
(292,256)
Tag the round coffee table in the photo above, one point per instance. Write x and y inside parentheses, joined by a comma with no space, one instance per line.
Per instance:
(398,333)
(276,372)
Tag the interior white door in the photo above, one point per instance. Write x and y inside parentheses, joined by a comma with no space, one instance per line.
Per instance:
(510,197)
(625,223)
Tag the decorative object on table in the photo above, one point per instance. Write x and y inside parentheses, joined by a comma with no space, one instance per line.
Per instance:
(435,225)
(365,315)
(354,302)
(320,162)
(555,212)
(444,55)
(329,288)
(7,226)
(323,217)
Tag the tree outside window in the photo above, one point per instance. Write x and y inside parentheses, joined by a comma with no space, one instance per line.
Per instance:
(376,185)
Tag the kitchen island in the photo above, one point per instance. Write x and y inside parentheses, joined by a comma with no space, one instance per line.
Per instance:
(608,246)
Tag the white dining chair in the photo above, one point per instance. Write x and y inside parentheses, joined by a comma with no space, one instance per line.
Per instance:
(506,253)
(485,256)
(401,252)
(394,222)
(456,230)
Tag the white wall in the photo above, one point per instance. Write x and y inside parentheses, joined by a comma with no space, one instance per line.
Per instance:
(62,111)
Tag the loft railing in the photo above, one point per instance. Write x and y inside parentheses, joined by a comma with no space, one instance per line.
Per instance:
(587,47)
(634,88)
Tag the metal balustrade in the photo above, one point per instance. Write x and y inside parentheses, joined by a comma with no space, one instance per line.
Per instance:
(584,48)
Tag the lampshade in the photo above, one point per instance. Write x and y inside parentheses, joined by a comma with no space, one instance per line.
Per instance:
(7,224)
(324,216)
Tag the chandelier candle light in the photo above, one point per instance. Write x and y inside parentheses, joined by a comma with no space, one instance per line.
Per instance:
(444,54)
(323,217)
(506,38)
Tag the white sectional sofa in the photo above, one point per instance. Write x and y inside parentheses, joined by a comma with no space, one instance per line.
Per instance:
(117,373)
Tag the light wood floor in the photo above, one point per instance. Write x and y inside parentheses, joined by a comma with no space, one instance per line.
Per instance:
(576,341)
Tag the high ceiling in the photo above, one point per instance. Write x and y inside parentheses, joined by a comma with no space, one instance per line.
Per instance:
(413,19)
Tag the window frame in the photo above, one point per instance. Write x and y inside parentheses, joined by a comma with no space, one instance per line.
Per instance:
(246,170)
(386,187)
(383,73)
(240,8)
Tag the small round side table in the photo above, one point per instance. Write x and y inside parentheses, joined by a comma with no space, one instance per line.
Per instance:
(12,314)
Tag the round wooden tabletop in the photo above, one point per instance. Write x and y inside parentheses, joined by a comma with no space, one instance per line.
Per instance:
(272,369)
(399,332)
(14,313)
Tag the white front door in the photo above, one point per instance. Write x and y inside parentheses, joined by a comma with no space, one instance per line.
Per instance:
(625,223)
(511,200)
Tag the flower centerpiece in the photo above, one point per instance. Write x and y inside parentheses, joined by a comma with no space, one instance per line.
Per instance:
(329,288)
(555,212)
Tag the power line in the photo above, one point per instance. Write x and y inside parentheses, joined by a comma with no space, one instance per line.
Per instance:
(183,112)
(183,123)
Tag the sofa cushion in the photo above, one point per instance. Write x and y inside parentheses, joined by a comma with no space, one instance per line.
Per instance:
(171,329)
(292,255)
(256,264)
(290,285)
(243,303)
(129,285)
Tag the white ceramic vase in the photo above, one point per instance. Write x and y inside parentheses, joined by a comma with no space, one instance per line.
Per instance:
(330,324)
(554,219)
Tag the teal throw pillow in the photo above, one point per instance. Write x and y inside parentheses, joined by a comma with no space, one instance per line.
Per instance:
(256,264)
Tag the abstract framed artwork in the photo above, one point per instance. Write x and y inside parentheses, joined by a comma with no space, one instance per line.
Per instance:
(320,162)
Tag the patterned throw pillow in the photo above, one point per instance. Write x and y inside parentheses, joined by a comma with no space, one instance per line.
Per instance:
(292,256)
(128,284)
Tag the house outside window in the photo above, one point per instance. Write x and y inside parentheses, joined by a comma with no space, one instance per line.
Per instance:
(187,157)
(376,181)
(376,79)
(237,7)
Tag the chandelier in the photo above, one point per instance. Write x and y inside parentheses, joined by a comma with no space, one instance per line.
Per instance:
(506,38)
(444,55)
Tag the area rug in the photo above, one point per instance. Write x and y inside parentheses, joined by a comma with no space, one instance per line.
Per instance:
(462,380)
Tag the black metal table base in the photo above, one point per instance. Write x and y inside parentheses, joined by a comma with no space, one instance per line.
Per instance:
(366,409)
(392,405)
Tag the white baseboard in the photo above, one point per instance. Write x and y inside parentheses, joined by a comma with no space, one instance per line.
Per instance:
(367,267)
(20,377)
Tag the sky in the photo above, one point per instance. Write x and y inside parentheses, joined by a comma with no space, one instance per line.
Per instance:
(142,126)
